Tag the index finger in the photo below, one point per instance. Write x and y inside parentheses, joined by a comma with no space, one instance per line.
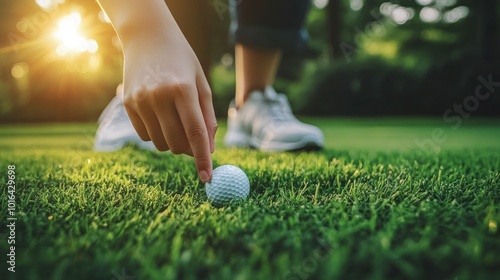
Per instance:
(192,120)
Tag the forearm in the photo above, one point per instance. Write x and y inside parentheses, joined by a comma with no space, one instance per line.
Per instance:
(134,19)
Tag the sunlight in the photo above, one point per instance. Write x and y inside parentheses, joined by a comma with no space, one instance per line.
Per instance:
(48,4)
(104,17)
(70,38)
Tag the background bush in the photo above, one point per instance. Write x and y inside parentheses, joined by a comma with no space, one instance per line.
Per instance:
(376,87)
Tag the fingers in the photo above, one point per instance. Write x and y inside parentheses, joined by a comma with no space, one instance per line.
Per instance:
(207,110)
(146,123)
(139,126)
(179,118)
(153,127)
(173,131)
(195,128)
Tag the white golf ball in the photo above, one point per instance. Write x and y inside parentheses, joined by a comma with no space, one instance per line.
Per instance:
(228,183)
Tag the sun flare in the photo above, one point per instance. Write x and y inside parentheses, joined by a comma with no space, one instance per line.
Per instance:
(70,38)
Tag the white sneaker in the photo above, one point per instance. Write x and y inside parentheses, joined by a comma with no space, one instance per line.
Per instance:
(115,129)
(266,123)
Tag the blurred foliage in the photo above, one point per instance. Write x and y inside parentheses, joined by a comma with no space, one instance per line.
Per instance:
(375,87)
(223,85)
(386,59)
(398,65)
(374,34)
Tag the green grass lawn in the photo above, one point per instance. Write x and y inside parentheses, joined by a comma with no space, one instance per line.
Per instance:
(372,205)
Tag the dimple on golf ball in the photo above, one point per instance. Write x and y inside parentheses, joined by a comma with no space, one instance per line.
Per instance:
(228,183)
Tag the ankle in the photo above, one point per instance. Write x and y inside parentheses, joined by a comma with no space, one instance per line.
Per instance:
(243,95)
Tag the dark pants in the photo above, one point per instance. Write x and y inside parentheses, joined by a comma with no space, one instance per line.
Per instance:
(272,24)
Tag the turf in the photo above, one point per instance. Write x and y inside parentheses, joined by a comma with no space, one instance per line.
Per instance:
(372,205)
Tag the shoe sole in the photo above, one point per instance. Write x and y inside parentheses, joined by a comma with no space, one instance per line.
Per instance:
(306,143)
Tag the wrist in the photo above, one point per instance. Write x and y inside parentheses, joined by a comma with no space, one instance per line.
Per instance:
(139,20)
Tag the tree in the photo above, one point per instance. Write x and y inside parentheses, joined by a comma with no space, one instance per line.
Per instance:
(488,36)
(334,11)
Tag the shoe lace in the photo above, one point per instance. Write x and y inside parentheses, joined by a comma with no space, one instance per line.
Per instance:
(279,109)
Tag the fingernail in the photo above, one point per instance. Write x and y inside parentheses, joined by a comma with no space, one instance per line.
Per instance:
(204,176)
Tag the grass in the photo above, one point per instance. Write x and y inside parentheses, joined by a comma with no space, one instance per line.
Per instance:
(372,205)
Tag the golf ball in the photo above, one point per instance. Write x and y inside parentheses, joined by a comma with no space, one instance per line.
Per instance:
(228,183)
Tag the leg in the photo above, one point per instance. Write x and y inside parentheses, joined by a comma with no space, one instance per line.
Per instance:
(255,70)
(262,29)
(259,117)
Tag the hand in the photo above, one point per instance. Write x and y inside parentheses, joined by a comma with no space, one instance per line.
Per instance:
(168,97)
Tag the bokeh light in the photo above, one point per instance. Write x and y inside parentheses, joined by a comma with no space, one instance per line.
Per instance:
(92,46)
(400,15)
(320,4)
(424,2)
(456,14)
(397,13)
(227,60)
(430,15)
(356,5)
(445,3)
(49,4)
(386,8)
(20,70)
